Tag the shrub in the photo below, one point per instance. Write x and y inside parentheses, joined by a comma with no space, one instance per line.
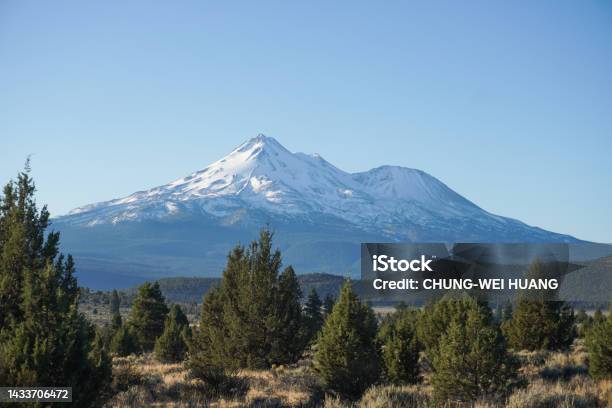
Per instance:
(213,376)
(125,376)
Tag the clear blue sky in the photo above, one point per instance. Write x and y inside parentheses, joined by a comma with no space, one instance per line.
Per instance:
(509,103)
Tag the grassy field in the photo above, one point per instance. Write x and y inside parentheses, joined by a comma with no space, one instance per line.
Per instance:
(553,379)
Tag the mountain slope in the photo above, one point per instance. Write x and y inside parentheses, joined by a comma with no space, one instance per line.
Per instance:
(320,214)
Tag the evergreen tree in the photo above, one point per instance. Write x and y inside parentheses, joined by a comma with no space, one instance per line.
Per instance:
(400,306)
(176,313)
(471,360)
(436,319)
(347,358)
(400,347)
(99,382)
(116,323)
(312,314)
(124,341)
(599,344)
(581,316)
(328,304)
(598,316)
(44,340)
(254,319)
(209,358)
(583,323)
(171,346)
(287,336)
(115,303)
(540,324)
(116,320)
(506,312)
(148,315)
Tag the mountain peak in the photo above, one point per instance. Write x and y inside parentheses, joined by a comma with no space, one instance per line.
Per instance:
(261,142)
(262,180)
(262,137)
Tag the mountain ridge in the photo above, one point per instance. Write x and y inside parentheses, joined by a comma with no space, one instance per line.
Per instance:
(320,213)
(262,174)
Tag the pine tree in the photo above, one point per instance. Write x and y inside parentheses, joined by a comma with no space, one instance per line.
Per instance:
(328,304)
(176,313)
(171,346)
(44,340)
(98,383)
(254,319)
(471,360)
(583,323)
(506,312)
(148,315)
(436,319)
(598,316)
(116,323)
(209,352)
(599,344)
(400,347)
(116,320)
(287,336)
(115,303)
(313,317)
(347,358)
(124,342)
(539,324)
(581,316)
(400,306)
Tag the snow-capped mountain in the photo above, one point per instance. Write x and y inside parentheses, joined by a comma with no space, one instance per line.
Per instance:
(261,174)
(314,206)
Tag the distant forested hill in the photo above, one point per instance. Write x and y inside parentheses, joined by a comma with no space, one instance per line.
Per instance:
(591,281)
(192,289)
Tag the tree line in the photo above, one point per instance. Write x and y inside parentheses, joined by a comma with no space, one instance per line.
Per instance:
(254,320)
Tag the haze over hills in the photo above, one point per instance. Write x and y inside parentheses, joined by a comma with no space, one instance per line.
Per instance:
(319,212)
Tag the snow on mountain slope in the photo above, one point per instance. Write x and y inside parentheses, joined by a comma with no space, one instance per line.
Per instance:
(261,175)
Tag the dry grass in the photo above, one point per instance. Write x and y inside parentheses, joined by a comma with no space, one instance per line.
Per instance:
(559,379)
(564,366)
(579,392)
(411,396)
(554,380)
(144,382)
(390,396)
